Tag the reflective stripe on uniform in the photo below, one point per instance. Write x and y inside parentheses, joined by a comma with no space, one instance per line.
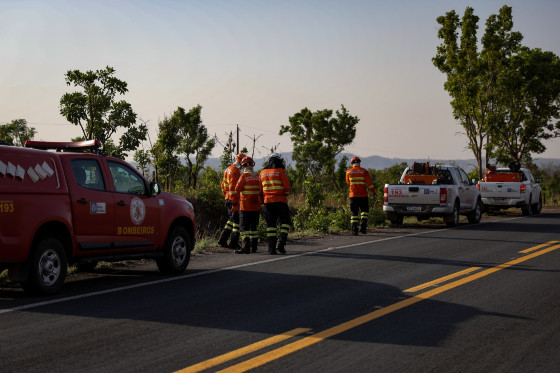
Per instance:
(272,185)
(357,181)
(246,189)
(271,232)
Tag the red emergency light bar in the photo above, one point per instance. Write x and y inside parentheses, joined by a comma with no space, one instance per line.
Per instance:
(76,146)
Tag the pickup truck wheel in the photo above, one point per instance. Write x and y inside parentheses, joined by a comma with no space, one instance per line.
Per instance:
(396,219)
(48,267)
(537,207)
(526,210)
(177,252)
(475,216)
(452,220)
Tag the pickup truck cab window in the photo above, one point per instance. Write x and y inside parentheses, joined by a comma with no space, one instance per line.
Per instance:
(87,174)
(464,178)
(126,180)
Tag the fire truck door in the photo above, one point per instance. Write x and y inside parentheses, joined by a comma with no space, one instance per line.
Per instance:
(136,212)
(92,206)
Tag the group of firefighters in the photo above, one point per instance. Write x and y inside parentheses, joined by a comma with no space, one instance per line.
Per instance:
(245,191)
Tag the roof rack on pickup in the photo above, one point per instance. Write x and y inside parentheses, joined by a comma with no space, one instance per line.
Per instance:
(64,146)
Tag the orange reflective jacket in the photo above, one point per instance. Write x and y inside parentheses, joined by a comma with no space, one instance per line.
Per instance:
(249,191)
(231,175)
(275,185)
(359,180)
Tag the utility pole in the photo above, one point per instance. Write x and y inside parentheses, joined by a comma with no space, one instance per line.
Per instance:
(237,138)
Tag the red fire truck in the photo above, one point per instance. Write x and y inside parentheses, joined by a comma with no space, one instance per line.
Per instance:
(66,203)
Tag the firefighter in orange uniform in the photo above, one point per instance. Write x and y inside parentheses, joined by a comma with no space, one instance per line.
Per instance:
(359,181)
(250,200)
(229,181)
(275,187)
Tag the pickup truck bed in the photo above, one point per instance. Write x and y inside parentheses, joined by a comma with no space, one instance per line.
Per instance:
(503,189)
(446,192)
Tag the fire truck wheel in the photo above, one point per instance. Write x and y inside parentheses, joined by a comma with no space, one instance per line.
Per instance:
(48,267)
(177,252)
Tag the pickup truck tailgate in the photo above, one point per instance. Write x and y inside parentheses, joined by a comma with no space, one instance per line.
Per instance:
(414,195)
(500,190)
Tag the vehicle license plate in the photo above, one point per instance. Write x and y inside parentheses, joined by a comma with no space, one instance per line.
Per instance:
(499,200)
(414,208)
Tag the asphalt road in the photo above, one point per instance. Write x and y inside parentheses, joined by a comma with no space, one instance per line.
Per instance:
(476,298)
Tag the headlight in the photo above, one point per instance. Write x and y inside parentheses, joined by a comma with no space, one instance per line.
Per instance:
(190,206)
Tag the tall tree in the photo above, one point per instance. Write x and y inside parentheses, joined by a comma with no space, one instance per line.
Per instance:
(318,138)
(531,98)
(184,134)
(229,151)
(195,142)
(97,112)
(16,132)
(143,159)
(472,76)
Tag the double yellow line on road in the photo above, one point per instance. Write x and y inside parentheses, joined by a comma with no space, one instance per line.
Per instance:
(318,337)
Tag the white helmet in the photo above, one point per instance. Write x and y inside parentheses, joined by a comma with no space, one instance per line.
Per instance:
(276,155)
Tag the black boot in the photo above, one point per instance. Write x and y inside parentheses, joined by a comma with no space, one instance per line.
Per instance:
(234,244)
(246,249)
(354,229)
(254,244)
(282,244)
(363,227)
(224,238)
(271,245)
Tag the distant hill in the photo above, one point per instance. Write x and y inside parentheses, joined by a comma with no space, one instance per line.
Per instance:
(379,163)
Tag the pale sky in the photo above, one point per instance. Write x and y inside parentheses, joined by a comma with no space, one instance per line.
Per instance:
(254,64)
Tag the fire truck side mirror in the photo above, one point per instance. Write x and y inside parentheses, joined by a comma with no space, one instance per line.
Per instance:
(155,188)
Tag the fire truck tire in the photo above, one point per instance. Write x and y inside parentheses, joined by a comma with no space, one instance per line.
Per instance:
(177,252)
(48,267)
(452,220)
(475,216)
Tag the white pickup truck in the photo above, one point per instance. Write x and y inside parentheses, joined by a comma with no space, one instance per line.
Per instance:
(428,191)
(503,188)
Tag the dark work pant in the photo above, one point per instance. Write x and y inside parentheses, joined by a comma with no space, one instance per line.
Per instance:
(357,204)
(248,221)
(275,211)
(233,217)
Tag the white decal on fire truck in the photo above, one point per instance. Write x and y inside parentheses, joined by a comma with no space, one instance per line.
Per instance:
(137,211)
(39,172)
(47,169)
(11,169)
(33,175)
(20,172)
(97,208)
